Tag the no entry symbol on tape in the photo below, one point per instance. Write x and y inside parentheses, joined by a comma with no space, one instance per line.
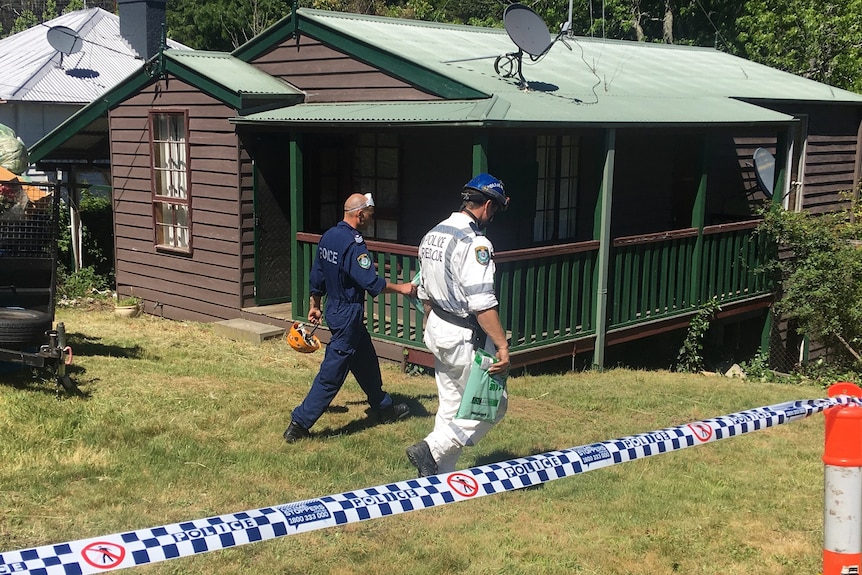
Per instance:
(462,484)
(103,555)
(702,431)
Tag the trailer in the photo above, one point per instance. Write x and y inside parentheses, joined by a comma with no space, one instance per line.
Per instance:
(29,215)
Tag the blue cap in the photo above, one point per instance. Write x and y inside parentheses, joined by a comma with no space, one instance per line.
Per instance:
(490,187)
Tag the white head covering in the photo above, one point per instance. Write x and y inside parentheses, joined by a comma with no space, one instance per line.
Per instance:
(369,203)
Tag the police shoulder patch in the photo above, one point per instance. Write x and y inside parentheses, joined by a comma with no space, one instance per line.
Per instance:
(483,255)
(364,261)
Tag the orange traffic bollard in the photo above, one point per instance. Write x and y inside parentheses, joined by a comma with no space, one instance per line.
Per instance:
(842,509)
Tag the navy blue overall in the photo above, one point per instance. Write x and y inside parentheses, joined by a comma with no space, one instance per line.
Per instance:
(343,272)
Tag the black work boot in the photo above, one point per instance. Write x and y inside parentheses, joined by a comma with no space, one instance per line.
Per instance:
(295,432)
(420,456)
(393,413)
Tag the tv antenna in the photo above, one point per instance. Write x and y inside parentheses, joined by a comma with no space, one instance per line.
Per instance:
(64,40)
(764,170)
(530,34)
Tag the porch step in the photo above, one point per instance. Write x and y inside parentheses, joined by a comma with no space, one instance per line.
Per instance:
(245,330)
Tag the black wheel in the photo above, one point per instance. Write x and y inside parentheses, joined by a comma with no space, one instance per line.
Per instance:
(23,327)
(505,65)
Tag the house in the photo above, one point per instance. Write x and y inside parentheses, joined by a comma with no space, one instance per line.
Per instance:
(630,168)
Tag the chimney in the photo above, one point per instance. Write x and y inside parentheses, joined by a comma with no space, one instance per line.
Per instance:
(142,24)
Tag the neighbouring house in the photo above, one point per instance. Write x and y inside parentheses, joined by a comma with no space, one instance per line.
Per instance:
(630,167)
(52,70)
(43,86)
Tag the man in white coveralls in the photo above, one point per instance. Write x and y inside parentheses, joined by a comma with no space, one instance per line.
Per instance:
(457,290)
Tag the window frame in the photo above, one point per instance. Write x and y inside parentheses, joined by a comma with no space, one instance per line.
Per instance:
(390,141)
(550,187)
(158,199)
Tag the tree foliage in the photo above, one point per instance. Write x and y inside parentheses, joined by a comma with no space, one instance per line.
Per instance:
(24,21)
(816,39)
(73,5)
(222,24)
(822,278)
(19,15)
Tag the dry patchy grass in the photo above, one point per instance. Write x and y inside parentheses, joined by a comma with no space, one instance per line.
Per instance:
(178,423)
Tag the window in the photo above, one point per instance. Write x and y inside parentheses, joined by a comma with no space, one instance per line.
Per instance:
(795,199)
(375,170)
(170,177)
(557,188)
(331,204)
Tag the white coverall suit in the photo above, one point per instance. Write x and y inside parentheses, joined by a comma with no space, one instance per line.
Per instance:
(457,271)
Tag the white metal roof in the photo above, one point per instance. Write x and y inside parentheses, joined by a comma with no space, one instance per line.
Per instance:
(33,71)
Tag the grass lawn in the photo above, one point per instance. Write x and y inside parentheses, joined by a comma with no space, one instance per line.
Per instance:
(177,423)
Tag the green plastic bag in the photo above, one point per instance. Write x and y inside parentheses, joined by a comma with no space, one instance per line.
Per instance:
(417,279)
(484,391)
(13,152)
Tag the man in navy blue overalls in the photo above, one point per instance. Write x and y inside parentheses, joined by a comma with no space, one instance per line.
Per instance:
(344,271)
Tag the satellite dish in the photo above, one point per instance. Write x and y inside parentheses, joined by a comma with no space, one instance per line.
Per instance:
(530,34)
(764,170)
(526,29)
(64,40)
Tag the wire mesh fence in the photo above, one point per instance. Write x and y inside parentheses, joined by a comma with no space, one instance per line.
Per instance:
(28,220)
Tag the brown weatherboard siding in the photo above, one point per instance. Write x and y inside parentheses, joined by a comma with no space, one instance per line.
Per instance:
(829,170)
(327,75)
(829,159)
(247,229)
(205,285)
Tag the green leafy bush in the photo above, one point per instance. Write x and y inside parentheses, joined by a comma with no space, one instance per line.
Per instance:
(690,356)
(83,283)
(757,369)
(819,372)
(97,230)
(821,277)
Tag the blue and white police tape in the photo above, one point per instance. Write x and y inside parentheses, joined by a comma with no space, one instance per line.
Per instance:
(152,545)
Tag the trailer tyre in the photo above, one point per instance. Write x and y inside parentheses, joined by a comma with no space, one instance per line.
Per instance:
(22,327)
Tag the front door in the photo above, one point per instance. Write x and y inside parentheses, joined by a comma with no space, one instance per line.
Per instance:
(272,231)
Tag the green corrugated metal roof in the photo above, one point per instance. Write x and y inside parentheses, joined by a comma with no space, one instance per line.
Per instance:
(605,82)
(231,73)
(221,75)
(593,70)
(499,111)
(377,113)
(608,82)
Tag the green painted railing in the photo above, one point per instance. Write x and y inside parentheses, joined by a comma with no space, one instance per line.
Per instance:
(661,275)
(733,262)
(389,316)
(547,295)
(650,277)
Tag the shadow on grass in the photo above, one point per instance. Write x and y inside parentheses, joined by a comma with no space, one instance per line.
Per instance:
(337,409)
(84,345)
(370,419)
(42,380)
(45,379)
